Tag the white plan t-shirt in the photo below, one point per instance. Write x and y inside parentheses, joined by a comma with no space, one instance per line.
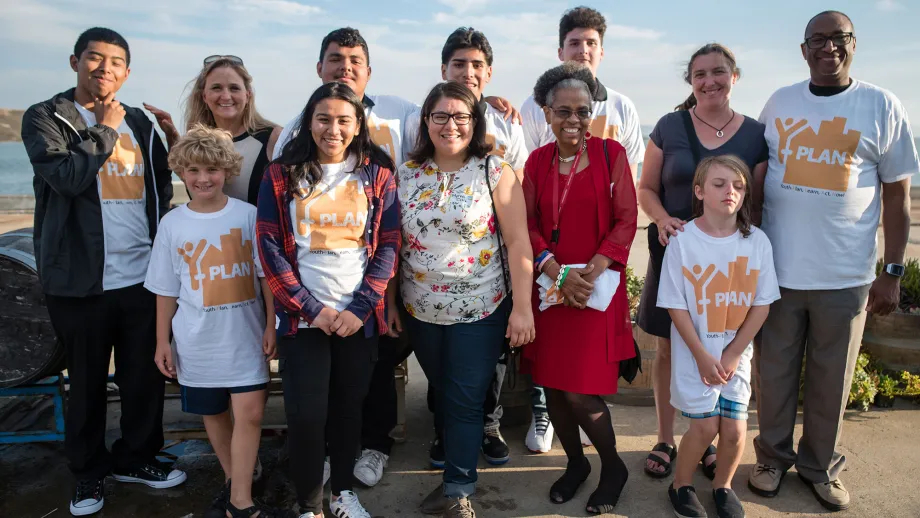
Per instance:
(716,280)
(123,198)
(504,137)
(210,262)
(828,157)
(386,123)
(329,225)
(613,116)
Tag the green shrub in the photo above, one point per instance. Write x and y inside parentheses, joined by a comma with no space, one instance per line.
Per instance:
(887,386)
(634,287)
(910,384)
(865,385)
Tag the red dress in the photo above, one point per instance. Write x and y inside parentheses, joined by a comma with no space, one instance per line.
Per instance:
(577,350)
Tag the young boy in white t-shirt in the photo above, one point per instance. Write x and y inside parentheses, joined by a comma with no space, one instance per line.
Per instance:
(717,283)
(206,274)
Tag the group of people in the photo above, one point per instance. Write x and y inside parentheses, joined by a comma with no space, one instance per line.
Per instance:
(369,228)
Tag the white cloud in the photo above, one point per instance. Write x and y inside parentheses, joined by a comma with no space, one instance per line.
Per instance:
(275,7)
(463,6)
(889,5)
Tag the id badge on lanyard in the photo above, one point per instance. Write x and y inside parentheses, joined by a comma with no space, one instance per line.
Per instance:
(559,203)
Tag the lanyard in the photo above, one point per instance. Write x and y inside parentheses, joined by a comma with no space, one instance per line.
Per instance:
(557,202)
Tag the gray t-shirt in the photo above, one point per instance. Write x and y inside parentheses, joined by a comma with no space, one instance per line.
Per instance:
(678,166)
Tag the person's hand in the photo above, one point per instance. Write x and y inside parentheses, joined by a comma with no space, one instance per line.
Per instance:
(108,111)
(520,326)
(730,361)
(884,294)
(270,343)
(164,360)
(711,371)
(576,289)
(394,321)
(505,107)
(669,227)
(164,120)
(325,319)
(346,324)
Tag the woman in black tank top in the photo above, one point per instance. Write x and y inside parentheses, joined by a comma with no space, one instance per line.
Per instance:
(222,97)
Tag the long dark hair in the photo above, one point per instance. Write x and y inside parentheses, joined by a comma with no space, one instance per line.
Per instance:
(300,155)
(737,165)
(709,48)
(424,147)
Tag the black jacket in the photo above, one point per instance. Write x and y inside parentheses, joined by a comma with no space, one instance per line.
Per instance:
(66,157)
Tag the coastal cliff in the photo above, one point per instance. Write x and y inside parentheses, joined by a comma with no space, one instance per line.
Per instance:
(10,125)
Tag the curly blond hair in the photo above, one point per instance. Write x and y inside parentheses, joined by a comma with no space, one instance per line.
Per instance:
(205,146)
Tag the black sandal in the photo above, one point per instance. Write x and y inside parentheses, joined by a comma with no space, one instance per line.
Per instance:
(249,512)
(667,449)
(567,485)
(710,470)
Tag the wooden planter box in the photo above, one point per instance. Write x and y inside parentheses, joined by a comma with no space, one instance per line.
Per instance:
(894,340)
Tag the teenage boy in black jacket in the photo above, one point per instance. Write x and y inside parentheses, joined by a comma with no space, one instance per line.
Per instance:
(101,185)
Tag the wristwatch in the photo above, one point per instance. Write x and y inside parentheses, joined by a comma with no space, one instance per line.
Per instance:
(896,270)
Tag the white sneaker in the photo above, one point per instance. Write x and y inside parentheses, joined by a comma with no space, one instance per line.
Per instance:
(327,471)
(540,435)
(307,515)
(369,467)
(347,506)
(585,440)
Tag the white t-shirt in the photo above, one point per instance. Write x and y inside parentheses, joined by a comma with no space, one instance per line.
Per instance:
(386,122)
(505,138)
(828,156)
(613,115)
(329,226)
(123,197)
(716,280)
(210,262)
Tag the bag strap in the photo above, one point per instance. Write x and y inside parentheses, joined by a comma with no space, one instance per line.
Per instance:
(692,139)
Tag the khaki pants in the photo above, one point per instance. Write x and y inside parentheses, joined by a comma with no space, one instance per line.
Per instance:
(826,327)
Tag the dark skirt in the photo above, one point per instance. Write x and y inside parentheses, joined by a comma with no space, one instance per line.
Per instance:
(652,319)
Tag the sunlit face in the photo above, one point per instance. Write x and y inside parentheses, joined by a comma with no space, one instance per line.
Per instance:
(333,126)
(830,61)
(347,65)
(468,67)
(583,46)
(450,137)
(225,93)
(204,182)
(101,69)
(712,79)
(722,191)
(569,116)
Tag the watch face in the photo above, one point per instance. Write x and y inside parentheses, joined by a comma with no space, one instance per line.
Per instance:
(894,269)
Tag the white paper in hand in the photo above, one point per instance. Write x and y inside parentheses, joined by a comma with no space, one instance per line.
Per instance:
(605,286)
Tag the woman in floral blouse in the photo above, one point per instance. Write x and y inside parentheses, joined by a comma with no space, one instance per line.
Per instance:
(451,277)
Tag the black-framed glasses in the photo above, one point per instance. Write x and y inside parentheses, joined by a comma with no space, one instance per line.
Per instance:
(441,118)
(565,113)
(216,57)
(841,39)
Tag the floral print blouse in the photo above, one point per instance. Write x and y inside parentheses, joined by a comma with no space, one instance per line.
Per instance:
(450,268)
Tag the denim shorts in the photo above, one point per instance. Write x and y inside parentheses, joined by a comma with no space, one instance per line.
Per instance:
(724,408)
(211,400)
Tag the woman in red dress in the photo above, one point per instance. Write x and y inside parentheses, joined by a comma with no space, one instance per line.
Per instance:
(581,210)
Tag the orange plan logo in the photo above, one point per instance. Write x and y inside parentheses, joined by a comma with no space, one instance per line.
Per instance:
(599,128)
(497,150)
(725,298)
(380,134)
(333,219)
(122,175)
(225,274)
(818,160)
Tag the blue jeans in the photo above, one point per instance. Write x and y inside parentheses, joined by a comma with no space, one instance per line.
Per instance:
(459,362)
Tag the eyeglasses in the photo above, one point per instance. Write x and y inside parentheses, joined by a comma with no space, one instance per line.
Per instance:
(217,57)
(441,118)
(565,113)
(841,39)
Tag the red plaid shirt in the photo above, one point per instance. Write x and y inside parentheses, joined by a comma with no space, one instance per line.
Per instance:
(278,249)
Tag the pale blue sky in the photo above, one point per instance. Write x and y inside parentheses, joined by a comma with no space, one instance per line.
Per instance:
(646,47)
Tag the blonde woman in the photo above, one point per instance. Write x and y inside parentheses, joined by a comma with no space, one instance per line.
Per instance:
(222,97)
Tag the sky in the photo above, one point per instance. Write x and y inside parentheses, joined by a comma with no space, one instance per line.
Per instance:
(646,47)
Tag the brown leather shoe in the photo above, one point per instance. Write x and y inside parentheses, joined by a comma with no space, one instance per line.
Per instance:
(435,503)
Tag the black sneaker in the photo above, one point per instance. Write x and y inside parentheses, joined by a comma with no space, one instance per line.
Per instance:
(88,497)
(218,507)
(153,474)
(685,502)
(494,447)
(436,454)
(727,503)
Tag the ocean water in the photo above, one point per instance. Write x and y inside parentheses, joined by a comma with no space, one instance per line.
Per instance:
(16,171)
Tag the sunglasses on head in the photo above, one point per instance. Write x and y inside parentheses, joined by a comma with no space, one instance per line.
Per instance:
(216,57)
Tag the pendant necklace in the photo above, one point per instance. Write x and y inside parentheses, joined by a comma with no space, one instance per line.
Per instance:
(584,146)
(719,132)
